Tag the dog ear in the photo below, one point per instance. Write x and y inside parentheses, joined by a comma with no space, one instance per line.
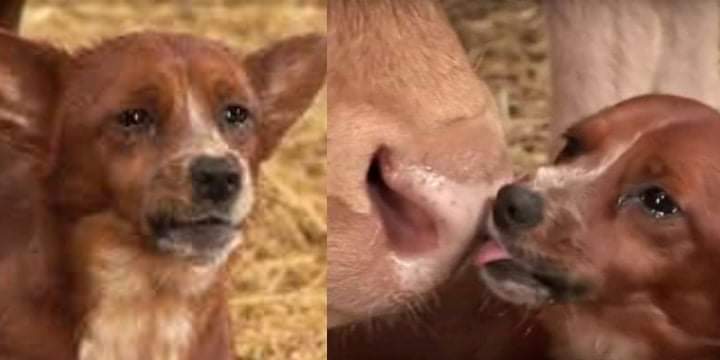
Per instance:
(29,90)
(10,14)
(287,76)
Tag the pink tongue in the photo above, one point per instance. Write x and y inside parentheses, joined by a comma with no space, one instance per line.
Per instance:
(489,252)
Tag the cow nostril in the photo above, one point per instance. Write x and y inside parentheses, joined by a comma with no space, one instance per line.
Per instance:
(517,208)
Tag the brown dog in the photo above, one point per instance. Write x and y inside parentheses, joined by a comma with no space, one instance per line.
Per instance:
(618,239)
(157,143)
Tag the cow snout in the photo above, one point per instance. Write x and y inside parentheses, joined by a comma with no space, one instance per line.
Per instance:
(215,179)
(517,208)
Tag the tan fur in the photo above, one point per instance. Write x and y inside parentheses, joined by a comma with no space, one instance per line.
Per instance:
(402,93)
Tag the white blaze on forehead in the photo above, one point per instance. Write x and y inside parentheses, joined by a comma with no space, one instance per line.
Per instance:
(205,134)
(196,112)
(205,140)
(553,177)
(573,179)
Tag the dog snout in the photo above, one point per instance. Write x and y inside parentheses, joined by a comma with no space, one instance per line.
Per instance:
(215,179)
(517,208)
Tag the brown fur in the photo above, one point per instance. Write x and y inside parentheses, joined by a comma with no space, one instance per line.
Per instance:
(594,62)
(648,283)
(35,314)
(130,299)
(465,322)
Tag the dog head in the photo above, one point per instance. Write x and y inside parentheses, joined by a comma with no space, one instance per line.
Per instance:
(167,133)
(623,216)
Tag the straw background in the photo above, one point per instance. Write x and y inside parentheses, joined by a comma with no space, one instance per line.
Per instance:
(506,41)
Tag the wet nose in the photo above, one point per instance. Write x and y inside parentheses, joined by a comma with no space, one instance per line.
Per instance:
(517,208)
(216,179)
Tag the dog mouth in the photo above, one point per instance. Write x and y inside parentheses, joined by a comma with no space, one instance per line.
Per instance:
(525,279)
(199,239)
(409,223)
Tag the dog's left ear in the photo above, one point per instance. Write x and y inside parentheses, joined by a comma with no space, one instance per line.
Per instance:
(286,75)
(10,14)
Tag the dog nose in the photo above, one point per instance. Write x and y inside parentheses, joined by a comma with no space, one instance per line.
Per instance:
(517,208)
(214,178)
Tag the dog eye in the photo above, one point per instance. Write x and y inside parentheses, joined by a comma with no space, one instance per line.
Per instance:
(236,115)
(658,202)
(135,119)
(573,147)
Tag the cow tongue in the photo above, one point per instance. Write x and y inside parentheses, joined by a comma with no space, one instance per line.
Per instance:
(490,251)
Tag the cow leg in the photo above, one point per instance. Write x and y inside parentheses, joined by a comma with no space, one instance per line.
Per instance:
(605,51)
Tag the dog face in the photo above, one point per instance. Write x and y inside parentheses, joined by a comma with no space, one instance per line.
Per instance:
(621,217)
(172,143)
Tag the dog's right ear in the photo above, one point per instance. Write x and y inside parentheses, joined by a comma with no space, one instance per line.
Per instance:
(30,82)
